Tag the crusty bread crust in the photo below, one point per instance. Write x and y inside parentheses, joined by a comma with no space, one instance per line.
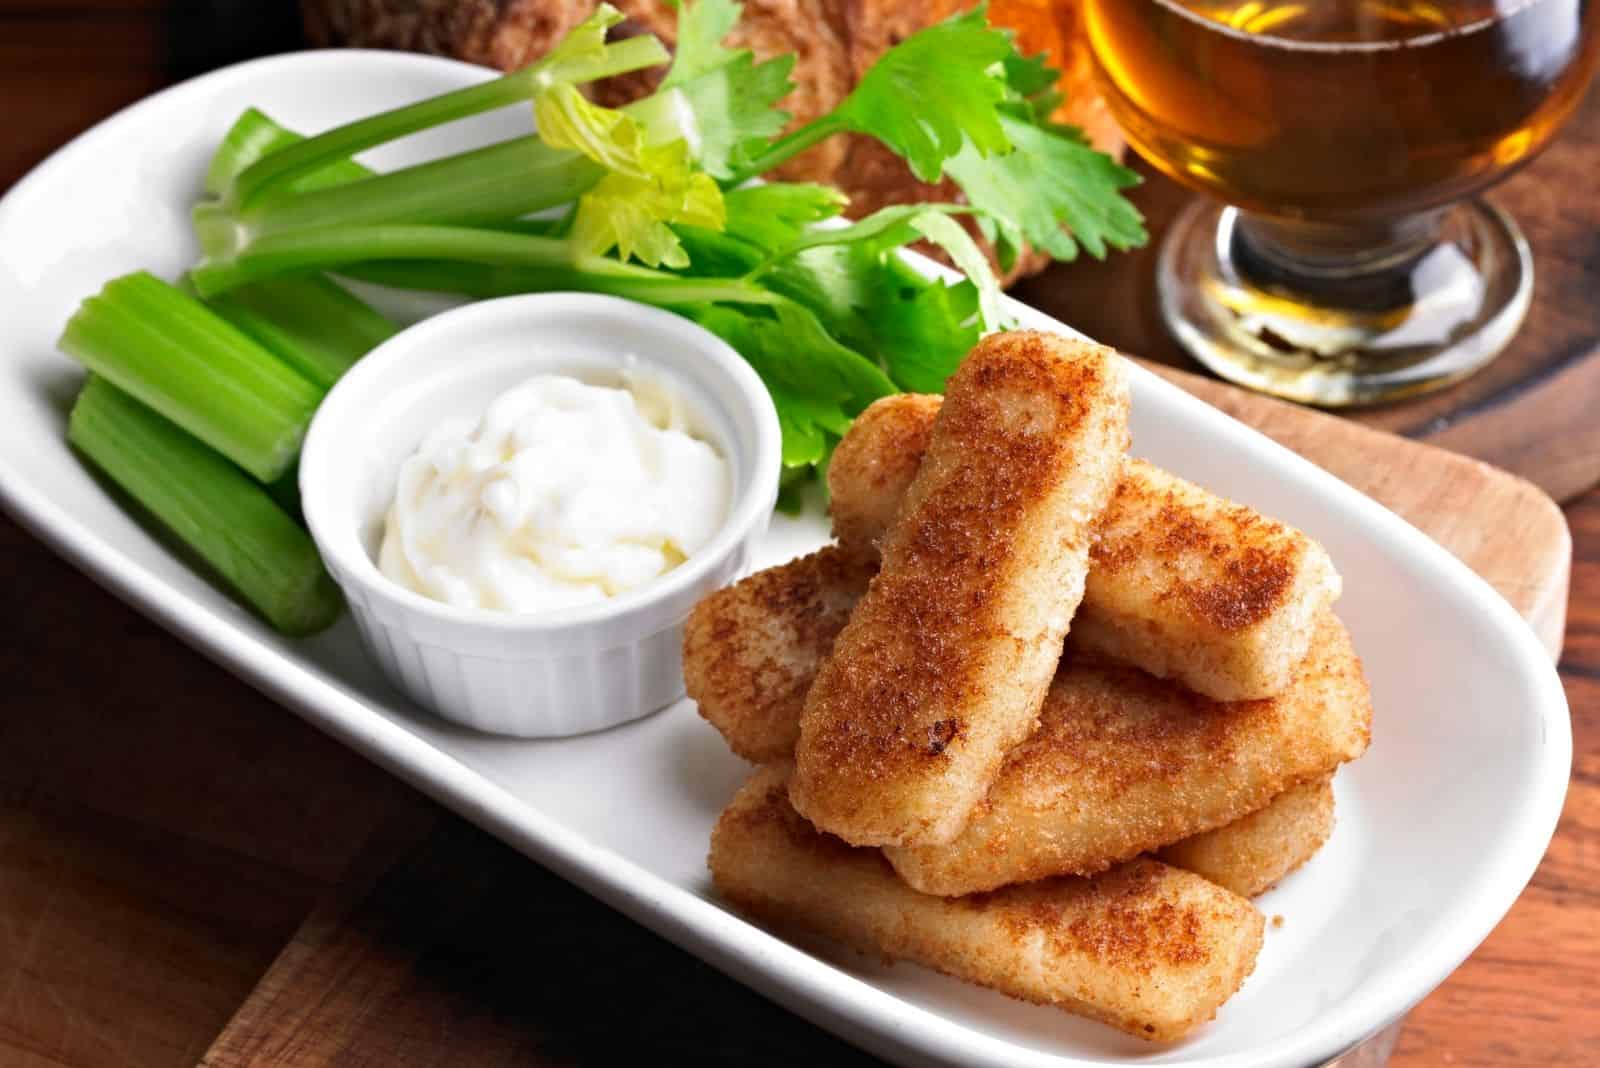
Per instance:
(944,663)
(1149,949)
(1182,583)
(1253,854)
(1124,763)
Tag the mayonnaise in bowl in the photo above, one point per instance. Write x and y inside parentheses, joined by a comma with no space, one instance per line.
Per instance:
(562,493)
(596,444)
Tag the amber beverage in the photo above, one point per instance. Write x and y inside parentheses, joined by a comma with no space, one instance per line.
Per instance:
(1334,108)
(1345,258)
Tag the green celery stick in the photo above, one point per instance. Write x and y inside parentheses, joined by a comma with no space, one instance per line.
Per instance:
(484,280)
(210,505)
(183,360)
(312,323)
(286,491)
(252,136)
(487,185)
(567,62)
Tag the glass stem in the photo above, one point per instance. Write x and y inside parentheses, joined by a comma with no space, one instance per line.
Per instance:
(1360,265)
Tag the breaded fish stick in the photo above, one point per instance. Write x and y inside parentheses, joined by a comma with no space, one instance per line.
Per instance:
(1182,583)
(1123,763)
(1148,949)
(1252,855)
(873,466)
(943,665)
(751,650)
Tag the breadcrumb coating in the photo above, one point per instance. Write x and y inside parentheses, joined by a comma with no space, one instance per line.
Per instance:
(943,665)
(1149,949)
(1182,583)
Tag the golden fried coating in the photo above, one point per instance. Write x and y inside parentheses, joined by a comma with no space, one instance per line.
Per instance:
(1123,763)
(1182,583)
(751,650)
(1193,587)
(873,466)
(1252,855)
(1147,948)
(944,663)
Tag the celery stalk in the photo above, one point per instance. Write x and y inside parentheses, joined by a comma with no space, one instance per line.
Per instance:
(253,136)
(286,492)
(335,246)
(483,281)
(210,505)
(180,358)
(311,323)
(490,184)
(274,172)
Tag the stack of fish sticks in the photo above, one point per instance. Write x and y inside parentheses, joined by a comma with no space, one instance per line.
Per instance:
(1044,717)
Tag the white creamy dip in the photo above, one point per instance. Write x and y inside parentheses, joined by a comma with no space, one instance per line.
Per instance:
(563,493)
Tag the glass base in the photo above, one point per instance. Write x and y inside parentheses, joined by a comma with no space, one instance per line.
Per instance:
(1338,317)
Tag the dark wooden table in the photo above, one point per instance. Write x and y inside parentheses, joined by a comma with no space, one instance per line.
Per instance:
(164,829)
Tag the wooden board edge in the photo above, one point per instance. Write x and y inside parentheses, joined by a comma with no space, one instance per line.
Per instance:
(1536,588)
(1563,457)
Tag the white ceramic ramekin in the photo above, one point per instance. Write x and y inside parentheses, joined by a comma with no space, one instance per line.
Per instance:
(571,670)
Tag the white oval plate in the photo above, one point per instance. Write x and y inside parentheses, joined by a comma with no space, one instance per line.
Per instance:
(1440,826)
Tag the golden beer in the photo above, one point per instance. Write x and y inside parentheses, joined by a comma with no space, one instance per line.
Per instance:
(1344,259)
(1340,109)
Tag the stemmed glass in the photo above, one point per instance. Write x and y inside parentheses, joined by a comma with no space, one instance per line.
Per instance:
(1346,257)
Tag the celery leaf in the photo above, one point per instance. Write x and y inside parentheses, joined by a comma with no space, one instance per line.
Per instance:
(934,94)
(922,328)
(969,259)
(817,384)
(631,214)
(583,45)
(1048,185)
(774,215)
(917,328)
(735,110)
(729,109)
(649,185)
(702,24)
(1032,86)
(567,119)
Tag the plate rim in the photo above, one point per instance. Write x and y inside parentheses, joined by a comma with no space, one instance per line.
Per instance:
(809,986)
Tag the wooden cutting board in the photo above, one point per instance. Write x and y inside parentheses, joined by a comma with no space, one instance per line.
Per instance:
(1534,411)
(444,947)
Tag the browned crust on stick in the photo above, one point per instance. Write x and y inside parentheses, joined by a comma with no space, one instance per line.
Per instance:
(1253,854)
(1123,763)
(751,650)
(754,647)
(942,666)
(1182,583)
(1148,949)
(874,465)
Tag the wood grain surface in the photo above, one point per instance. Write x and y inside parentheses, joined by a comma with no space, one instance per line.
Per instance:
(164,829)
